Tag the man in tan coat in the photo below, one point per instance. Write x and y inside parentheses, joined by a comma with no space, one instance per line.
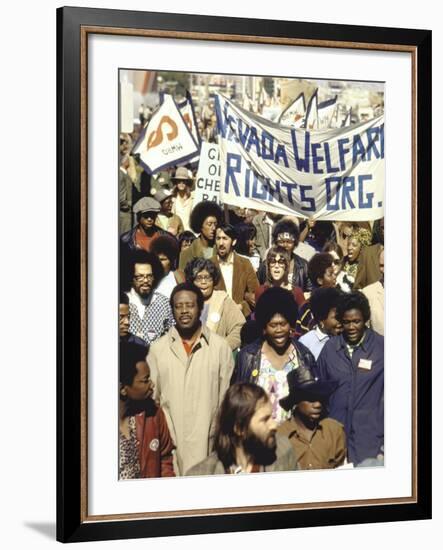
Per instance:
(191,368)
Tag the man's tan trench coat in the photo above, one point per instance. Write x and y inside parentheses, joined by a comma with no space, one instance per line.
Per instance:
(190,390)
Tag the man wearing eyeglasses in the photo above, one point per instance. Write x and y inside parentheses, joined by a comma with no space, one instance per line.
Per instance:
(150,312)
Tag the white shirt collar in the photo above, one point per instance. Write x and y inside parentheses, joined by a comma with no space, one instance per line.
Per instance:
(320,334)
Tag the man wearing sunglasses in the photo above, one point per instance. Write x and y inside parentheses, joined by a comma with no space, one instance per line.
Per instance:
(141,236)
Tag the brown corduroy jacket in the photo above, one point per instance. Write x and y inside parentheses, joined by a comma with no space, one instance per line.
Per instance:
(244,280)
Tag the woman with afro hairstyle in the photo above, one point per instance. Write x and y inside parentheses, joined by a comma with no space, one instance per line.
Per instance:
(166,249)
(205,218)
(267,361)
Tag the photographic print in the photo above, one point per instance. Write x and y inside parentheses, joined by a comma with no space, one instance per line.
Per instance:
(261,199)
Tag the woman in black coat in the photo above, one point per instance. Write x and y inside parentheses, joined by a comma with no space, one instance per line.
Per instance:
(269,359)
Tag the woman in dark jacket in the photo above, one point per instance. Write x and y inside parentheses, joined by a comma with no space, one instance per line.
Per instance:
(269,359)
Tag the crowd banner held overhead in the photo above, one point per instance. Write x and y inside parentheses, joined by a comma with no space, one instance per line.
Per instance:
(166,140)
(295,112)
(331,174)
(207,182)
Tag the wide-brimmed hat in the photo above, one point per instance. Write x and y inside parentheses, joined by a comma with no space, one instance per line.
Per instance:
(303,386)
(146,204)
(182,174)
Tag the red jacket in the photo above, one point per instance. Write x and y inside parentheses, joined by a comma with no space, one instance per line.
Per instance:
(155,444)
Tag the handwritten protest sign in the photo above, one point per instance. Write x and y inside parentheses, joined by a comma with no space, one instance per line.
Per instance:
(207,183)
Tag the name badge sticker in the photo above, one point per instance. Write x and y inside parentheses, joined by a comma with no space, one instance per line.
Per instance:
(365,364)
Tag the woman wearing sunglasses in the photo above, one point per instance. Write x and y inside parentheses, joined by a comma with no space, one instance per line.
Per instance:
(277,275)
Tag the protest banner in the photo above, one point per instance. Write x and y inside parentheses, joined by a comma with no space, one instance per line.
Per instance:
(207,182)
(294,113)
(166,140)
(332,174)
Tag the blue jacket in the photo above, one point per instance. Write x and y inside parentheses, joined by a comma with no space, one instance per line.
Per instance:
(249,359)
(358,401)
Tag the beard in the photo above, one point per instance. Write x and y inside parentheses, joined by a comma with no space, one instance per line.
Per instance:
(263,453)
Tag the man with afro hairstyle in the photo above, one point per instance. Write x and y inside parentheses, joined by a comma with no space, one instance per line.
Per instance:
(205,218)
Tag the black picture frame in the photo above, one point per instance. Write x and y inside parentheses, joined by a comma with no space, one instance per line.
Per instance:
(73,524)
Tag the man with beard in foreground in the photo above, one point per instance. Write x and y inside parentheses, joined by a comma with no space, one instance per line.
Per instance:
(246,439)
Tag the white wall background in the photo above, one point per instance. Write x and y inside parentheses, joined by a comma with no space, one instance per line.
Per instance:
(28,222)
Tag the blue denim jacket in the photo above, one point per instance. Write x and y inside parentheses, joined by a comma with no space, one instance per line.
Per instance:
(358,401)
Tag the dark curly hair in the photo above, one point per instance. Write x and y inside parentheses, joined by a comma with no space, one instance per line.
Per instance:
(353,300)
(322,300)
(203,210)
(130,355)
(196,265)
(189,287)
(275,300)
(185,236)
(143,257)
(318,265)
(245,232)
(286,226)
(167,245)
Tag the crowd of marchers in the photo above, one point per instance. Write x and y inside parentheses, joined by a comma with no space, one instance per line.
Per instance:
(249,341)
